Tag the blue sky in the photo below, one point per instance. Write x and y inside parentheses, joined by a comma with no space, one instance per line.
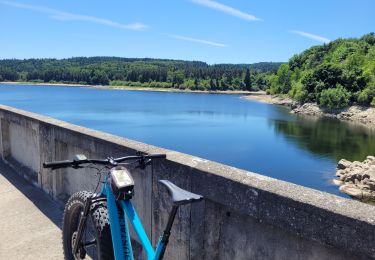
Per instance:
(241,31)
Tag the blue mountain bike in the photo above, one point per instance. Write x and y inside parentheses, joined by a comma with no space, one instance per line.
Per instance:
(95,225)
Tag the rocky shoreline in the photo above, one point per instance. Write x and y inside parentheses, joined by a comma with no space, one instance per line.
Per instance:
(363,115)
(357,179)
(358,114)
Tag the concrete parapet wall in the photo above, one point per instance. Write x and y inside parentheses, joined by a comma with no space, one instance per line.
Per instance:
(244,215)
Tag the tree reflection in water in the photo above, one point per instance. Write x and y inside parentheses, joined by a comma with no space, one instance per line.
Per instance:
(328,137)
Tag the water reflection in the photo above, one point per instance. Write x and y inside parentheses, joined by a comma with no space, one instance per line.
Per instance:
(328,137)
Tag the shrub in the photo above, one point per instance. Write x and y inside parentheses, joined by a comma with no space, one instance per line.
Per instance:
(301,96)
(366,97)
(334,98)
(298,92)
(36,81)
(117,83)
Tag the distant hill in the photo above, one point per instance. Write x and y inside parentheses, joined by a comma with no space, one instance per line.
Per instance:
(334,75)
(139,72)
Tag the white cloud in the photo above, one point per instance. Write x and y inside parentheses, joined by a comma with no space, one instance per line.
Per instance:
(226,9)
(65,16)
(184,38)
(312,36)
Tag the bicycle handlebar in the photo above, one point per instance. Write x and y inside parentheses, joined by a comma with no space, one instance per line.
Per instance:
(59,164)
(109,161)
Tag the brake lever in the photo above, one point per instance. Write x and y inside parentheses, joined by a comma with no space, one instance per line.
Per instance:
(142,163)
(112,161)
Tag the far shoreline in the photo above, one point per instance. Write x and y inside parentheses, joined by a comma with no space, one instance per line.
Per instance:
(171,90)
(356,114)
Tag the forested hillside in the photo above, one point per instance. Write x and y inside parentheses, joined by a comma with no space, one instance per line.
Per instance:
(334,75)
(140,72)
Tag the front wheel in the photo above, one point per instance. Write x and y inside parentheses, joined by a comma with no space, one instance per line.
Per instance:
(96,241)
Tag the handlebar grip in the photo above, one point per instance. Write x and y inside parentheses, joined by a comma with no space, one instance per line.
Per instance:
(57,164)
(156,156)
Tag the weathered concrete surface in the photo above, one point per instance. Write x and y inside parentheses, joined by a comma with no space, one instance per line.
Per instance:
(244,214)
(29,220)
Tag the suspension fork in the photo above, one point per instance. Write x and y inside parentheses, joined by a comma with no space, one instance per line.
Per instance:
(83,220)
(81,224)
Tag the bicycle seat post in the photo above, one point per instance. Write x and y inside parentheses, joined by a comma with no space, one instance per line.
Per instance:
(167,231)
(179,197)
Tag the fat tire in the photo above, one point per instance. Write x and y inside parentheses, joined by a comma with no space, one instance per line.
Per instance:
(99,216)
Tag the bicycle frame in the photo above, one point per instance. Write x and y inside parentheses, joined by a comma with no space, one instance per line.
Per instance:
(121,241)
(120,210)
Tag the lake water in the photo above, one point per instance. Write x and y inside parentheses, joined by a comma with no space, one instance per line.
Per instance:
(258,137)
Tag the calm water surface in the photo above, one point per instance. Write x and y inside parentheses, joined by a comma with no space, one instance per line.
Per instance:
(224,128)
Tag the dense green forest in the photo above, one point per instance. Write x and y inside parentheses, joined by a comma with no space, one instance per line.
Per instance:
(140,72)
(334,75)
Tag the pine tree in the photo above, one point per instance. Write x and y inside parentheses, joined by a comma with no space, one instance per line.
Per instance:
(247,80)
(212,85)
(196,82)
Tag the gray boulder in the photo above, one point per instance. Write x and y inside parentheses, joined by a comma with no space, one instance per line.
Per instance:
(357,179)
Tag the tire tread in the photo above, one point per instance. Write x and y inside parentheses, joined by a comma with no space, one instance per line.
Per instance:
(99,215)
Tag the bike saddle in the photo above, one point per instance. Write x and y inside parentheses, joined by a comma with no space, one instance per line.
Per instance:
(180,196)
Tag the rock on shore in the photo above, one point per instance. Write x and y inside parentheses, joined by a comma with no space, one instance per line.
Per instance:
(310,109)
(357,179)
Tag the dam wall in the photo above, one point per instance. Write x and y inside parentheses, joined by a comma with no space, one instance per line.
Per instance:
(244,215)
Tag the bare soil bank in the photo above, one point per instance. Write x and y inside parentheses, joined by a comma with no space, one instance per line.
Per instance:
(261,96)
